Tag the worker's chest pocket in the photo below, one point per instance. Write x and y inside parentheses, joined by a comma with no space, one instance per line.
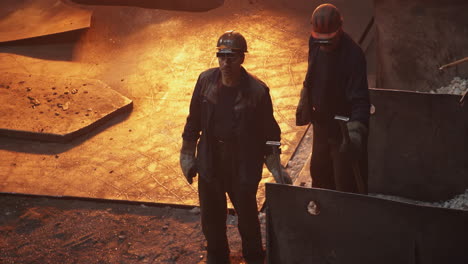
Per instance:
(245,116)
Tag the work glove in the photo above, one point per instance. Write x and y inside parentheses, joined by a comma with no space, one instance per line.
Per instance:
(357,132)
(187,160)
(278,172)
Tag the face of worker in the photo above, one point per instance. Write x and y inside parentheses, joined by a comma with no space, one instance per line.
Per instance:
(230,65)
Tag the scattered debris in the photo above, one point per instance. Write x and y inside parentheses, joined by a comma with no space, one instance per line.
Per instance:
(262,217)
(231,219)
(459,202)
(195,210)
(74,91)
(64,106)
(34,101)
(457,87)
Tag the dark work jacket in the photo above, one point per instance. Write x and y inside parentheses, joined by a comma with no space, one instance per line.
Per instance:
(350,96)
(254,125)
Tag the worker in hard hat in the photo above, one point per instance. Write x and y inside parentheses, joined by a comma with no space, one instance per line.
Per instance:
(230,121)
(335,84)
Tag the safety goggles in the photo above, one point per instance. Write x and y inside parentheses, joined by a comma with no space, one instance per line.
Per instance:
(227,55)
(323,42)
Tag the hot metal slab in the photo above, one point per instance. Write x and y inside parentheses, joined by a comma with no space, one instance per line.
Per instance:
(33,18)
(55,108)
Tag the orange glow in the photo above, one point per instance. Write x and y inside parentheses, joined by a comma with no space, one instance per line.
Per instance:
(153,57)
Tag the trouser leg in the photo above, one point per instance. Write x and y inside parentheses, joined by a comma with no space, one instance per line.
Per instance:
(321,165)
(245,204)
(213,219)
(342,170)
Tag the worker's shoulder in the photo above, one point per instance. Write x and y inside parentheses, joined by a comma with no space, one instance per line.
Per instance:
(256,84)
(210,73)
(353,46)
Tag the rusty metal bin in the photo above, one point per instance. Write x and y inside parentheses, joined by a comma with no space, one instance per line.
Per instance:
(358,229)
(418,145)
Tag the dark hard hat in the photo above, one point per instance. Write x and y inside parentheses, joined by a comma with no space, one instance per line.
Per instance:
(326,21)
(231,42)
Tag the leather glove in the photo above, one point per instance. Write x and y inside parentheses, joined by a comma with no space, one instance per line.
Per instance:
(188,161)
(357,132)
(278,172)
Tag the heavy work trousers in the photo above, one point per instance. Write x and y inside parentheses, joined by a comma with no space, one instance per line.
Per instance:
(330,168)
(213,204)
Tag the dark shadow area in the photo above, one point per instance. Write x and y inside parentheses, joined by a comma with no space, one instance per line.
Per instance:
(34,145)
(70,203)
(178,5)
(116,206)
(58,47)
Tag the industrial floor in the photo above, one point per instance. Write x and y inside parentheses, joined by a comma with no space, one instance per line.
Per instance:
(154,57)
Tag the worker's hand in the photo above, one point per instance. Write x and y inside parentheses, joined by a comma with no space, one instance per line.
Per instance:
(357,132)
(188,161)
(279,173)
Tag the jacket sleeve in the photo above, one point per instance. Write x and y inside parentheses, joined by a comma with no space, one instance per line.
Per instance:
(192,127)
(271,128)
(302,110)
(358,91)
(303,115)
